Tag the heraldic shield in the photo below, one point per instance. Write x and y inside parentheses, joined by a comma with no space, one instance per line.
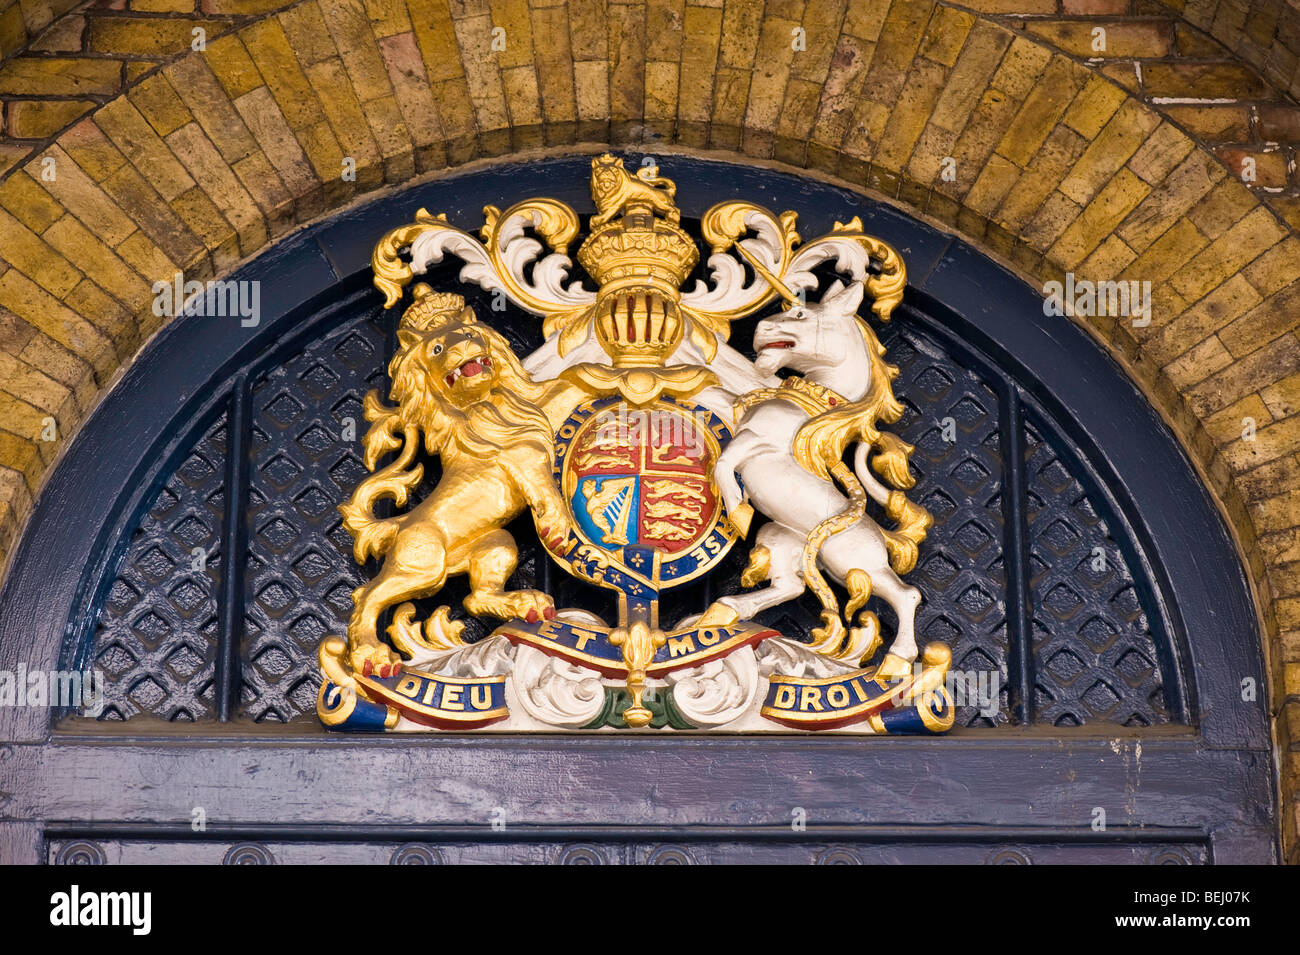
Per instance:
(644,447)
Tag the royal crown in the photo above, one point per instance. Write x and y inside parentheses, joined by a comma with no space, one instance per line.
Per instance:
(639,260)
(431,309)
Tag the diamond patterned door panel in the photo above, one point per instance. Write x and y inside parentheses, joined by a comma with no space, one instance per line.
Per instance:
(299,574)
(1093,641)
(951,418)
(1094,652)
(156,635)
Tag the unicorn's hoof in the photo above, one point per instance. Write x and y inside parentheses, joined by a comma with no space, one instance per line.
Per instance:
(894,667)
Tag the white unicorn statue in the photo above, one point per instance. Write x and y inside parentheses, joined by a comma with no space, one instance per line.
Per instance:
(788,451)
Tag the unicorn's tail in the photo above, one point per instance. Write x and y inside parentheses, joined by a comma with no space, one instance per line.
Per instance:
(830,635)
(913,521)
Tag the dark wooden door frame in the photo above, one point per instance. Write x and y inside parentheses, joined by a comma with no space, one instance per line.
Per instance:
(1208,784)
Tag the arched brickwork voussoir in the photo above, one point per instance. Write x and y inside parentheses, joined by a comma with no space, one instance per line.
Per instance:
(20,22)
(208,159)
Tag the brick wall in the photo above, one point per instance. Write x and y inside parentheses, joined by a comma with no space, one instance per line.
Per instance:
(993,121)
(1263,33)
(20,22)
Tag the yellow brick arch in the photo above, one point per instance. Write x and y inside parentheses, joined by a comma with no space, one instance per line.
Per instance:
(21,22)
(205,160)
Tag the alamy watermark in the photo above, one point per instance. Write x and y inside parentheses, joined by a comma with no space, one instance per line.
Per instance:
(66,689)
(1085,299)
(980,689)
(625,427)
(214,299)
(132,910)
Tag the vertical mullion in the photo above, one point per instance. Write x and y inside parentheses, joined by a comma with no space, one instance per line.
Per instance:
(542,567)
(1015,556)
(233,539)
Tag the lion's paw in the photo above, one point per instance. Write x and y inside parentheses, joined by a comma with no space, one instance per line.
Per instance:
(528,605)
(553,526)
(374,659)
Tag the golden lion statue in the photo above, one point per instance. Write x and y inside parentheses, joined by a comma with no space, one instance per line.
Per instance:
(457,382)
(614,189)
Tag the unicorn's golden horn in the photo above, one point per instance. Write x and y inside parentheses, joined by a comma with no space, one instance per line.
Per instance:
(778,286)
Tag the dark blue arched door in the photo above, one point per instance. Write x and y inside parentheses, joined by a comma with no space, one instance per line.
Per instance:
(188,546)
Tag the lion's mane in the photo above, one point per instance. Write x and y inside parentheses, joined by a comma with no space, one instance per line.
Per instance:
(488,426)
(507,417)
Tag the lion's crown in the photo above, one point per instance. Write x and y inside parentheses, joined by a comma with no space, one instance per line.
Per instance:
(432,309)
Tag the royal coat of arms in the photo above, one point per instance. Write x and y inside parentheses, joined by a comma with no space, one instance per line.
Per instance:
(645,448)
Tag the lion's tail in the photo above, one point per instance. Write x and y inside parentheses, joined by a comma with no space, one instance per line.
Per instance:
(373,536)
